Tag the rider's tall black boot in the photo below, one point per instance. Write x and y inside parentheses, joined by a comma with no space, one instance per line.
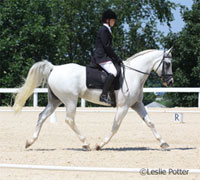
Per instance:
(107,85)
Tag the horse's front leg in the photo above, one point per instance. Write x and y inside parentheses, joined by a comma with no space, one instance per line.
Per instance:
(140,109)
(120,114)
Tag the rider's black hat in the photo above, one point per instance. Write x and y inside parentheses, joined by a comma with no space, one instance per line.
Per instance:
(108,14)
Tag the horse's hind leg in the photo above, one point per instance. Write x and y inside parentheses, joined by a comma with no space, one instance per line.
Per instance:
(70,115)
(140,109)
(53,103)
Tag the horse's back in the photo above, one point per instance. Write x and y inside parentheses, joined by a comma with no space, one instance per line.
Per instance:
(68,78)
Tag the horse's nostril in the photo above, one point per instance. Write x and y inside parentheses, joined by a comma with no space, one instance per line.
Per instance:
(171,81)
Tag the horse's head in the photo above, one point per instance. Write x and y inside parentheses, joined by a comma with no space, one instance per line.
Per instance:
(164,68)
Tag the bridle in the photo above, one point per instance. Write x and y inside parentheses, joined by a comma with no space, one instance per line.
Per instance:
(165,77)
(163,74)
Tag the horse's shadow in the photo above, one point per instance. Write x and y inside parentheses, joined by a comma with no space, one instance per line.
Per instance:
(123,149)
(145,149)
(42,150)
(53,149)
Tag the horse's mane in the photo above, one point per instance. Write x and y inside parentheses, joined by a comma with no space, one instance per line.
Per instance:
(139,54)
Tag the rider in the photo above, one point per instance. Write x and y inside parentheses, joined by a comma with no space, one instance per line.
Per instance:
(104,54)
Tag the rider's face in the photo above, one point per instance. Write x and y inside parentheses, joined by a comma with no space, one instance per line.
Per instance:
(110,22)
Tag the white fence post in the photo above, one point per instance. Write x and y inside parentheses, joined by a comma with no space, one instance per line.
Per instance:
(199,101)
(35,99)
(83,102)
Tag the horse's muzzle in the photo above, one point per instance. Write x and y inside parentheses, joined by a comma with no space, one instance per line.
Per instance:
(171,81)
(168,82)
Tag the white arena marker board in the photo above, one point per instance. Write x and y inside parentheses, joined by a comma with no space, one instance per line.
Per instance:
(178,117)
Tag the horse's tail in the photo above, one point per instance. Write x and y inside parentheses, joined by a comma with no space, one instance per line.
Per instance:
(37,75)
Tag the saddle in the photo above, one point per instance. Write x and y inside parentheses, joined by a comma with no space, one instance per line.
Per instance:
(96,76)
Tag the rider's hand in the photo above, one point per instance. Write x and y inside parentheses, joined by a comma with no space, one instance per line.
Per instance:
(119,60)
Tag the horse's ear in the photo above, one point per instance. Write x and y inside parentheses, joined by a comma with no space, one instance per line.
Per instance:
(169,50)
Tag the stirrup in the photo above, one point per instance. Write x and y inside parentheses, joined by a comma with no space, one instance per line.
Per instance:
(104,98)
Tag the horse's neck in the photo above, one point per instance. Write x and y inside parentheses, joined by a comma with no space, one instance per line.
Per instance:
(144,63)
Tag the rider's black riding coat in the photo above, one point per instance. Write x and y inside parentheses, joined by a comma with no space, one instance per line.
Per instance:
(103,47)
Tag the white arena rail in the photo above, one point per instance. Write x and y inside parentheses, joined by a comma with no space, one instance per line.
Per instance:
(146,90)
(141,171)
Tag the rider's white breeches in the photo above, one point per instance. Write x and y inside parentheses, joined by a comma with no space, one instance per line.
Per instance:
(109,67)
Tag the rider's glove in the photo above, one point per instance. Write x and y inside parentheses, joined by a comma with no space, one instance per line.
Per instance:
(119,60)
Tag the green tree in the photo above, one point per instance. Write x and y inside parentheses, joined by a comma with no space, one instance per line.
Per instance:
(64,31)
(29,33)
(186,55)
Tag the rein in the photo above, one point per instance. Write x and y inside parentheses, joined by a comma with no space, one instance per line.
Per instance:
(146,72)
(135,69)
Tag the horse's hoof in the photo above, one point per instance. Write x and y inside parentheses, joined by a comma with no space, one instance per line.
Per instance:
(27,144)
(86,148)
(164,145)
(97,147)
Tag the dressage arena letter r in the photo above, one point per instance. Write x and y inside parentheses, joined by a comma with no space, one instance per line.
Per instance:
(178,117)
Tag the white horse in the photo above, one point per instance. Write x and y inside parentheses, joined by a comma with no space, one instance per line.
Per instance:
(68,82)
